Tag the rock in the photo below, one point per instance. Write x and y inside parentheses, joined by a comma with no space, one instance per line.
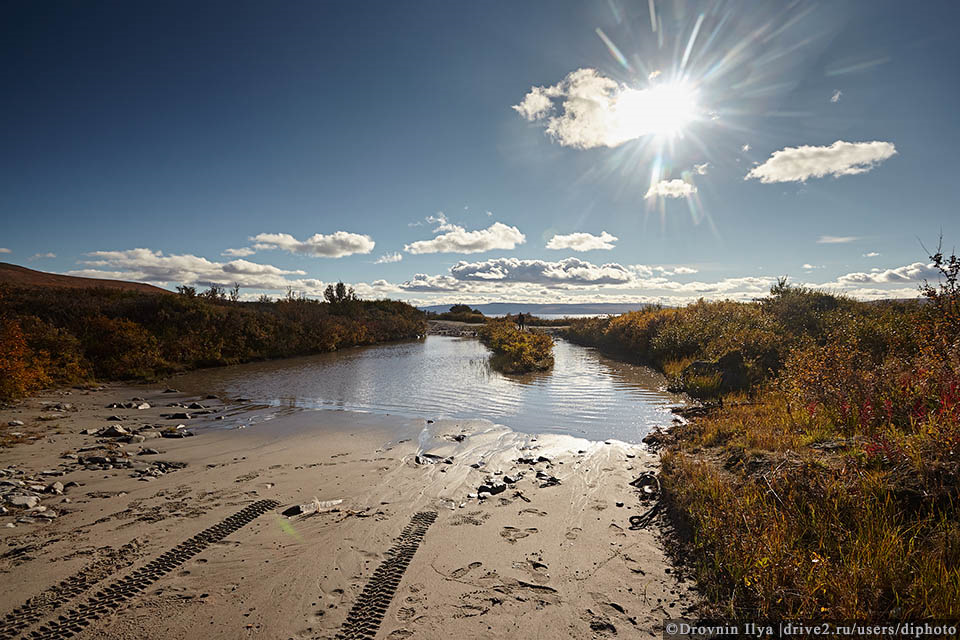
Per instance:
(27,502)
(143,405)
(179,416)
(176,433)
(147,478)
(93,460)
(114,431)
(212,397)
(135,438)
(114,405)
(115,418)
(10,525)
(49,515)
(90,432)
(71,485)
(148,452)
(195,405)
(619,504)
(493,488)
(510,479)
(171,391)
(15,423)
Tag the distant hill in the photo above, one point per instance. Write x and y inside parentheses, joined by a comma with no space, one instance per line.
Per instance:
(503,308)
(16,275)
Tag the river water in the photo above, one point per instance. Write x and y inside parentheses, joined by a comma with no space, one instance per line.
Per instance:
(585,395)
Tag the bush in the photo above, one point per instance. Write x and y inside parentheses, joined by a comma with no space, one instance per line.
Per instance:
(517,351)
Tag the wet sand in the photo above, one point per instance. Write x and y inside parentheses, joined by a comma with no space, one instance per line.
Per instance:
(538,559)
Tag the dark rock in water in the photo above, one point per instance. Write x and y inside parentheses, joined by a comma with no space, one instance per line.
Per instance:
(428,458)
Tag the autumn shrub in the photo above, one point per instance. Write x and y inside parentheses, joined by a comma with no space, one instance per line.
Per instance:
(516,351)
(73,335)
(19,373)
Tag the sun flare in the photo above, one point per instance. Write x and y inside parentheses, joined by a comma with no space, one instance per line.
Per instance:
(662,110)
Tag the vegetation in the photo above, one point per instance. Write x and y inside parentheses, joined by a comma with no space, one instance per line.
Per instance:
(827,485)
(516,351)
(460,313)
(67,336)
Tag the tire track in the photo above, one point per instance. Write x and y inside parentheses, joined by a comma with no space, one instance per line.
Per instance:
(56,596)
(113,596)
(367,613)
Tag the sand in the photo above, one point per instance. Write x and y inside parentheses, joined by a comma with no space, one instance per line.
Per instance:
(535,561)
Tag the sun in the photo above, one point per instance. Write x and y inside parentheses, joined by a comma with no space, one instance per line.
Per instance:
(663,110)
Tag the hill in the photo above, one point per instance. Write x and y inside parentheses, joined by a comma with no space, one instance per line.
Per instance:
(503,308)
(16,275)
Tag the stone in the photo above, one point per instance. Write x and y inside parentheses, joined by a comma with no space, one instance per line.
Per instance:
(195,405)
(179,416)
(15,423)
(147,479)
(148,452)
(493,488)
(90,432)
(136,438)
(177,433)
(143,405)
(171,391)
(114,431)
(27,502)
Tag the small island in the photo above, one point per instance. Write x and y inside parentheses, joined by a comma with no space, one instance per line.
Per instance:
(516,351)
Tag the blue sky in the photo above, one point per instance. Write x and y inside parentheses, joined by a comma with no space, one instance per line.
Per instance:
(433,151)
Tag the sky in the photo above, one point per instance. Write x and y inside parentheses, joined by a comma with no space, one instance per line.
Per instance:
(444,152)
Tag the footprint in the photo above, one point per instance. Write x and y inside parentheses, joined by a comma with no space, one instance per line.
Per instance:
(462,571)
(405,614)
(574,533)
(512,534)
(535,512)
(617,530)
(400,634)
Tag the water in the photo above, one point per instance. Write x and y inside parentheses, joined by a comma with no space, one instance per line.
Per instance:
(585,395)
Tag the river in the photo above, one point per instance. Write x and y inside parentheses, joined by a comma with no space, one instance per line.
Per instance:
(585,395)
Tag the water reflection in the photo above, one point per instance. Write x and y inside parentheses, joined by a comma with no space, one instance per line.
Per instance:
(585,394)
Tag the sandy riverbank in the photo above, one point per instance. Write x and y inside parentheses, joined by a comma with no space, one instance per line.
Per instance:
(532,561)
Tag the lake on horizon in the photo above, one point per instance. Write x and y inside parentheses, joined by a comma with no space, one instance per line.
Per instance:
(585,395)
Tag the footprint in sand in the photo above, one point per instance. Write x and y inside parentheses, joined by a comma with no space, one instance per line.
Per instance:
(574,533)
(462,571)
(512,534)
(617,530)
(533,512)
(405,614)
(400,634)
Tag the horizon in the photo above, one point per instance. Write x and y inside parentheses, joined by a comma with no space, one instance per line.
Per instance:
(652,152)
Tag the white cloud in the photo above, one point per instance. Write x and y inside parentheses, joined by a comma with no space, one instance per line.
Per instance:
(671,189)
(835,98)
(335,245)
(388,258)
(682,271)
(871,254)
(459,240)
(808,266)
(916,272)
(798,164)
(570,271)
(836,239)
(145,265)
(745,148)
(701,169)
(582,241)
(587,109)
(40,256)
(242,252)
(5,250)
